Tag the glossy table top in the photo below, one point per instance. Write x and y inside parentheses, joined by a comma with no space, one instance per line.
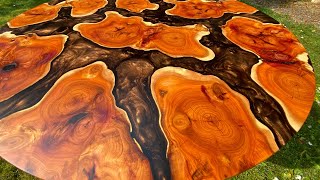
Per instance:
(139,89)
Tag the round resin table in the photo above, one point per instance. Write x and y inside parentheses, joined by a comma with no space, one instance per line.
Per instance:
(138,89)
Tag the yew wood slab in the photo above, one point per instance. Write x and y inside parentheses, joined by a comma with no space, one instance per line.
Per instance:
(77,129)
(207,123)
(25,59)
(148,89)
(136,5)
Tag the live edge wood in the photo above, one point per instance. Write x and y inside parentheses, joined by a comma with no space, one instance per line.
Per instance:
(41,13)
(139,89)
(46,12)
(269,41)
(136,5)
(26,59)
(207,123)
(75,132)
(291,84)
(202,9)
(117,31)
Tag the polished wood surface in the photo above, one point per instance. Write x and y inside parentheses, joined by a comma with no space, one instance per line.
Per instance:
(207,123)
(136,5)
(46,12)
(284,70)
(75,128)
(269,41)
(84,7)
(117,31)
(41,13)
(25,59)
(291,84)
(203,9)
(148,89)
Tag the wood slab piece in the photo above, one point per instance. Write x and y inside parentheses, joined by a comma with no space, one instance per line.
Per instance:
(136,5)
(46,12)
(116,31)
(210,129)
(291,84)
(271,42)
(25,59)
(75,132)
(203,9)
(39,14)
(82,8)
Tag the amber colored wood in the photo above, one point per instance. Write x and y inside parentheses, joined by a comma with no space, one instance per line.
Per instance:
(211,131)
(201,9)
(136,5)
(75,132)
(25,60)
(291,84)
(85,7)
(117,31)
(41,13)
(46,12)
(272,42)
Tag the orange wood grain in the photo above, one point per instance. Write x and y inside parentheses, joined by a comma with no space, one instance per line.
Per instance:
(41,13)
(85,7)
(25,59)
(292,85)
(201,9)
(211,131)
(75,132)
(117,31)
(178,41)
(46,12)
(114,31)
(136,5)
(272,42)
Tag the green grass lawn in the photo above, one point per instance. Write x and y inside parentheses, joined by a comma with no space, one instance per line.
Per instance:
(300,157)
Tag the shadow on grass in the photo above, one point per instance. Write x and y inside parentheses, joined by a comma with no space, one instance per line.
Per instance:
(303,150)
(298,159)
(10,172)
(269,3)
